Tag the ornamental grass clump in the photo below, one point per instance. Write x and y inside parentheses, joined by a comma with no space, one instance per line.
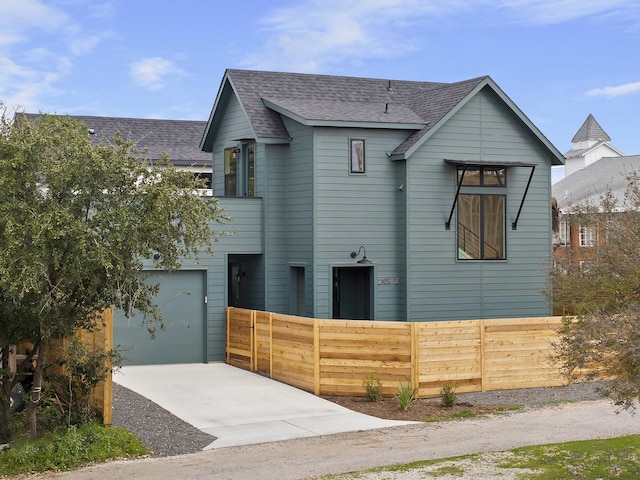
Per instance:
(405,395)
(373,387)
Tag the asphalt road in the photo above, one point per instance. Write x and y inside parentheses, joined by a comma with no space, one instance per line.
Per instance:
(309,457)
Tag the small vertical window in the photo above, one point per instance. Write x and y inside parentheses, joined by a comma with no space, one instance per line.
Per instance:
(565,234)
(231,172)
(356,157)
(251,168)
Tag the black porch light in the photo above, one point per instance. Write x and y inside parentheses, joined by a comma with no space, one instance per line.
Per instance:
(364,255)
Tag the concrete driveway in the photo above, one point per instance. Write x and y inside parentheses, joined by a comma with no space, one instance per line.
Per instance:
(240,407)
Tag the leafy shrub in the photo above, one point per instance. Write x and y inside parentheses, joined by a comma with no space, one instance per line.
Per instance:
(405,395)
(373,387)
(448,394)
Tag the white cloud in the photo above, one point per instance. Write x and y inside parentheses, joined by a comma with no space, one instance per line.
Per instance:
(38,40)
(616,91)
(152,72)
(558,11)
(316,33)
(313,35)
(25,14)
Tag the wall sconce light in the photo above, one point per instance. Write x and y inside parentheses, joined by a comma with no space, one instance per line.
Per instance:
(364,255)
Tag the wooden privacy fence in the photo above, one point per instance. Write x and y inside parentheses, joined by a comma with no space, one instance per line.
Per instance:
(333,357)
(101,338)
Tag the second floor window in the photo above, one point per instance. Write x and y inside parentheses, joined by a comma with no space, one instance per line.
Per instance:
(239,171)
(482,212)
(481,227)
(565,233)
(587,236)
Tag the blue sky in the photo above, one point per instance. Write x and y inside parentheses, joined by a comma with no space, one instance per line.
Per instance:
(558,60)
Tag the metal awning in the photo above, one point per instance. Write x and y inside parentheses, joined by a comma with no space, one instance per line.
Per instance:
(485,163)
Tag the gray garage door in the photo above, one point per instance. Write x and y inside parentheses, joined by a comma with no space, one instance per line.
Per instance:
(181,300)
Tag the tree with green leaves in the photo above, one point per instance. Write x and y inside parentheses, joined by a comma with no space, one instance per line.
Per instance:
(598,289)
(78,221)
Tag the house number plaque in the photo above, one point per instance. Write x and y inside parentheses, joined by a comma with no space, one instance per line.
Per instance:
(388,280)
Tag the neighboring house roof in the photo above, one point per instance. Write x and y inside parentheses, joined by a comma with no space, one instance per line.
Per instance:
(327,100)
(593,135)
(583,152)
(590,130)
(179,139)
(589,183)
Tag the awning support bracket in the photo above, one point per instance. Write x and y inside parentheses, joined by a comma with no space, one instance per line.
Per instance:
(514,225)
(447,224)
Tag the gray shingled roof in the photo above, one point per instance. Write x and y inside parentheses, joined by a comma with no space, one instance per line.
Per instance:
(330,110)
(590,182)
(180,139)
(590,130)
(330,97)
(334,100)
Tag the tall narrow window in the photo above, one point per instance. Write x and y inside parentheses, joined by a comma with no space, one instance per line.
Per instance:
(482,212)
(239,170)
(481,227)
(231,172)
(587,236)
(251,168)
(565,233)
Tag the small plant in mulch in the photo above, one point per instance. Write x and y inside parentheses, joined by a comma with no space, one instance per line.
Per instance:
(405,395)
(373,387)
(448,395)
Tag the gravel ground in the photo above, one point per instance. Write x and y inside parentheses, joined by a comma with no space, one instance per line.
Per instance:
(165,435)
(161,432)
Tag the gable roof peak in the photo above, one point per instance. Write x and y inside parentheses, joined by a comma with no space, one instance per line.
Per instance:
(590,130)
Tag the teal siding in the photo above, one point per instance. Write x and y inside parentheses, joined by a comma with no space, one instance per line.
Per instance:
(353,210)
(246,223)
(442,288)
(275,226)
(235,126)
(298,173)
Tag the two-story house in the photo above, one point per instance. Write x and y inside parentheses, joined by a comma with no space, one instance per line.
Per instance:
(378,199)
(360,198)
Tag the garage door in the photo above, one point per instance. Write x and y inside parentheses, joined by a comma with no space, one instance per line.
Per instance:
(181,301)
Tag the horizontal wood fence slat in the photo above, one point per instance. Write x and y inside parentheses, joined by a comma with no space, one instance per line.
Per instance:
(333,357)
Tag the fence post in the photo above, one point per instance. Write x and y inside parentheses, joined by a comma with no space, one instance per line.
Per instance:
(483,355)
(107,400)
(270,345)
(253,361)
(316,356)
(415,358)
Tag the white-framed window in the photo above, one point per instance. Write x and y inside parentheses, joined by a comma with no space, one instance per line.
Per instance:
(587,236)
(565,232)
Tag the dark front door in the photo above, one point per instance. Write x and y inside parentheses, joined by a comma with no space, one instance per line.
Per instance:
(234,281)
(352,293)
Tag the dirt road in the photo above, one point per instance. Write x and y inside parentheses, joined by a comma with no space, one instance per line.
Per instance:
(304,458)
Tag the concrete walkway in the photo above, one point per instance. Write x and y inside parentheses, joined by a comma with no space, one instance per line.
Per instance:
(240,407)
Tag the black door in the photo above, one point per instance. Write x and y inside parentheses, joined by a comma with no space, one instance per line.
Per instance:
(352,293)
